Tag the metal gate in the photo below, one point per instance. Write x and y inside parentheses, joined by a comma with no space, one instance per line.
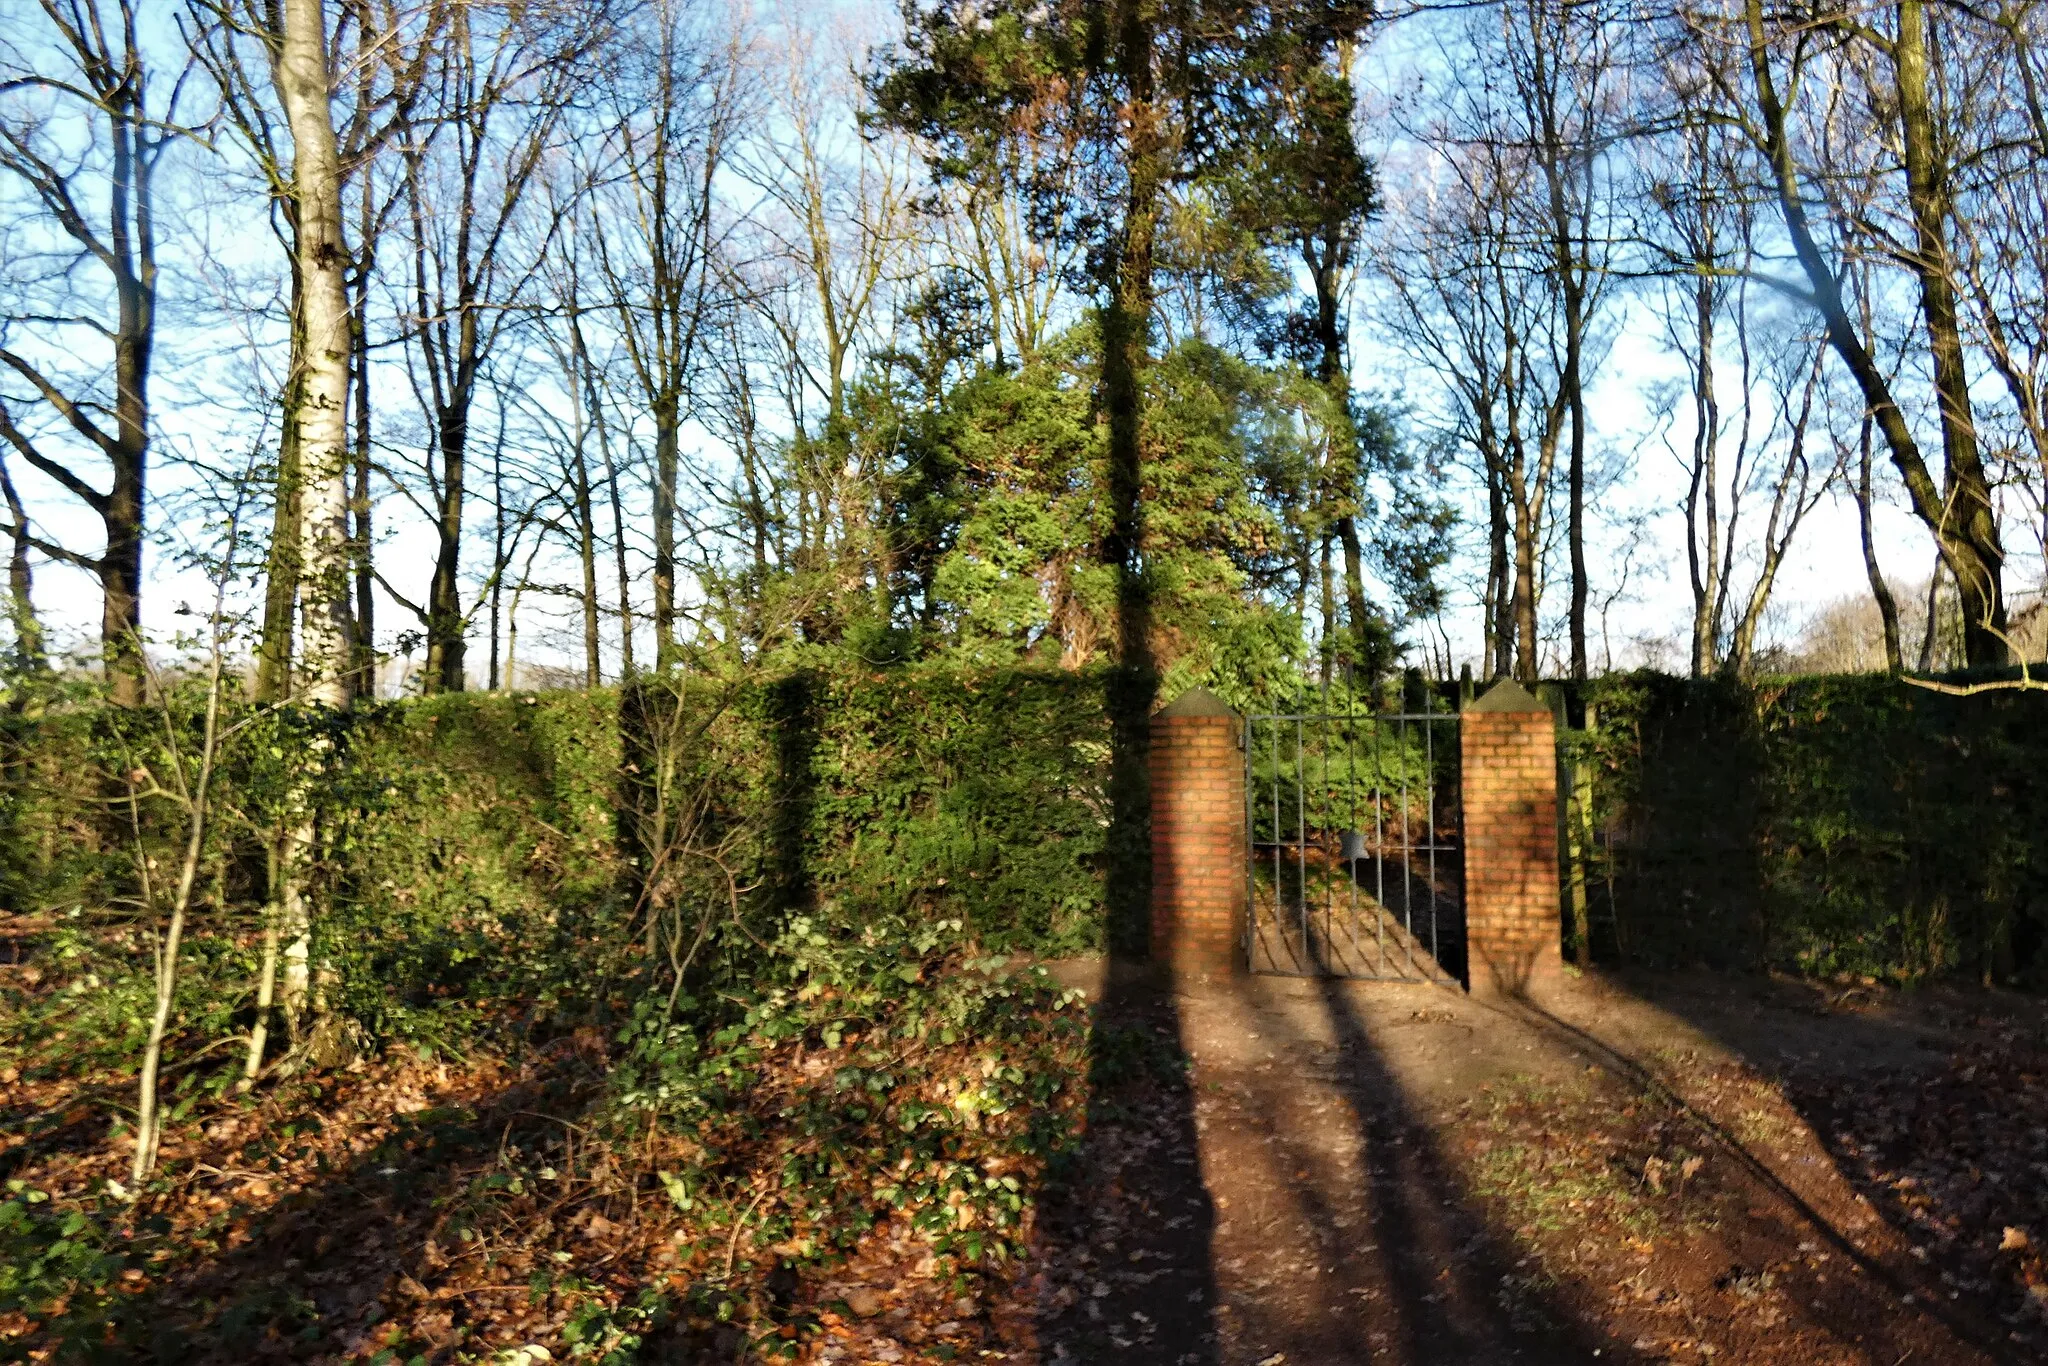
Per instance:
(1357,860)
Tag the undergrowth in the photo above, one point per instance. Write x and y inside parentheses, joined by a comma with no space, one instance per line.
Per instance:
(673,1186)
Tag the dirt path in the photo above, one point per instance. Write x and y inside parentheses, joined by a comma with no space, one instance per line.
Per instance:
(1376,1173)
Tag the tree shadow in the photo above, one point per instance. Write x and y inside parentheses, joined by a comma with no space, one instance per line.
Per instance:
(793,719)
(1881,1298)
(346,1254)
(1127,1222)
(1377,915)
(1399,1264)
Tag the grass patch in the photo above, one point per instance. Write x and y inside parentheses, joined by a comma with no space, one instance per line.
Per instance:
(1570,1162)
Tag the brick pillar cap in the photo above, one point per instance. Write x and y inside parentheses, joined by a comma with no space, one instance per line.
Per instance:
(1507,695)
(1197,702)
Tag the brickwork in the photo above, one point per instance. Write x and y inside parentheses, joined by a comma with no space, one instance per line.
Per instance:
(1512,915)
(1198,837)
(1512,923)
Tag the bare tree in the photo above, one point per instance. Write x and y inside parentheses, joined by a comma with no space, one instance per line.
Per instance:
(1704,231)
(321,401)
(1467,266)
(567,417)
(1796,487)
(1764,65)
(191,788)
(825,249)
(239,43)
(1880,588)
(499,91)
(981,224)
(21,602)
(85,125)
(676,101)
(317,425)
(1564,63)
(1990,77)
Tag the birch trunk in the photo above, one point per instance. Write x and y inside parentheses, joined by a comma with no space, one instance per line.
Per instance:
(320,415)
(326,674)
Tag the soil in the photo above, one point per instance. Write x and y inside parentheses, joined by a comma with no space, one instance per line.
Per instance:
(1274,1172)
(1644,1170)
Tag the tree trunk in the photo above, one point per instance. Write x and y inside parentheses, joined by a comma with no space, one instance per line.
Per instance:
(1887,607)
(132,239)
(1960,520)
(611,487)
(281,576)
(121,566)
(1525,638)
(1975,556)
(499,558)
(1126,334)
(363,543)
(1703,496)
(586,555)
(1327,587)
(1498,607)
(319,417)
(445,645)
(21,601)
(1366,642)
(666,418)
(320,413)
(1930,634)
(1575,481)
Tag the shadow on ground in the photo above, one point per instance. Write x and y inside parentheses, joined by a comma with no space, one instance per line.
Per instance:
(1401,1174)
(1358,1240)
(341,1261)
(1128,1223)
(1896,1137)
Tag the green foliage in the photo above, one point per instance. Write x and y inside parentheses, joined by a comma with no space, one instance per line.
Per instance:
(472,847)
(999,518)
(955,794)
(91,1012)
(1348,774)
(479,851)
(1839,825)
(874,1074)
(613,1334)
(49,1255)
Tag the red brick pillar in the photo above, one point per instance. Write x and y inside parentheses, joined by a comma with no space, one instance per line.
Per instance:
(1513,917)
(1198,849)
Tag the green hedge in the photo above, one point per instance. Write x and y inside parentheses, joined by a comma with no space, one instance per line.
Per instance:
(478,846)
(1828,825)
(473,845)
(927,790)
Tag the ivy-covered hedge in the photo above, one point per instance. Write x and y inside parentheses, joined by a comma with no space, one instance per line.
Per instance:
(1827,825)
(472,844)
